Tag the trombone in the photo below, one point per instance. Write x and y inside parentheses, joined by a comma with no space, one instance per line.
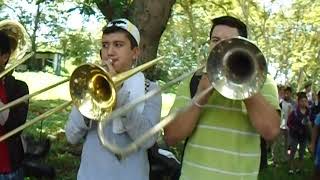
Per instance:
(92,90)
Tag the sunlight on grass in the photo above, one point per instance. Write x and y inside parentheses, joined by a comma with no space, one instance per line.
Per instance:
(167,102)
(39,80)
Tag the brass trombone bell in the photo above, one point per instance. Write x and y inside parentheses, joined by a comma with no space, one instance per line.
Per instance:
(93,89)
(20,42)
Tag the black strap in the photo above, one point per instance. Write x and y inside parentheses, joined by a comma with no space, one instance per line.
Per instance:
(194,84)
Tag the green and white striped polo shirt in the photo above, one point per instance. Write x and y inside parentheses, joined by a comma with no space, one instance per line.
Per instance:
(224,145)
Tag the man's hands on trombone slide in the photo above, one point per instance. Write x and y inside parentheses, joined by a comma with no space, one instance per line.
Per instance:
(204,84)
(107,65)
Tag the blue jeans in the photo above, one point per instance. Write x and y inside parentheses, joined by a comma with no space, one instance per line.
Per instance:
(16,175)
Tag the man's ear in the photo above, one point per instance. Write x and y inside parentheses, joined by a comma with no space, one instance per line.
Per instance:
(136,53)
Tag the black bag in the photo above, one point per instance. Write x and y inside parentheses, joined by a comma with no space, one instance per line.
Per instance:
(161,166)
(34,152)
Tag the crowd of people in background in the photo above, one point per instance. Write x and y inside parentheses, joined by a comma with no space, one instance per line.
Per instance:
(299,130)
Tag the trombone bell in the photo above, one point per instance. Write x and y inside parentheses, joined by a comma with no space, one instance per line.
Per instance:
(19,38)
(236,68)
(93,89)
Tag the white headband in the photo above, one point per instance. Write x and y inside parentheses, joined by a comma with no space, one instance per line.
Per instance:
(126,25)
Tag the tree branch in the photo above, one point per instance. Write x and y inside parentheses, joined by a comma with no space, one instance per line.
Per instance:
(19,17)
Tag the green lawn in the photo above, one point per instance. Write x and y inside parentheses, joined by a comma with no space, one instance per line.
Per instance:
(281,172)
(65,157)
(61,155)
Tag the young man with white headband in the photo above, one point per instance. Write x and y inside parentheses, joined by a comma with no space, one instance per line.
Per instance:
(119,51)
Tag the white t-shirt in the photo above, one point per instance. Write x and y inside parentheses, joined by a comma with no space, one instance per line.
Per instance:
(286,109)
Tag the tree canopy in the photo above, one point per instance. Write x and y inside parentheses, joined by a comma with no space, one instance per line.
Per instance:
(288,34)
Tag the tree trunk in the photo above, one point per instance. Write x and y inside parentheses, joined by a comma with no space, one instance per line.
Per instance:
(151,17)
(33,64)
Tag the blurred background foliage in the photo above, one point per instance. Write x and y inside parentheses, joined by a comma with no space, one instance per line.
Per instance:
(288,33)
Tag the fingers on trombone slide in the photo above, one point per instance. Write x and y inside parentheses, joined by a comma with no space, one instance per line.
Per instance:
(108,65)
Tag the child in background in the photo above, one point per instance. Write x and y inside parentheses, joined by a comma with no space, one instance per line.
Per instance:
(299,132)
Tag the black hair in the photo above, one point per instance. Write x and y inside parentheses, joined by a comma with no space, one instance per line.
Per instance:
(114,29)
(302,95)
(288,88)
(5,43)
(308,84)
(231,22)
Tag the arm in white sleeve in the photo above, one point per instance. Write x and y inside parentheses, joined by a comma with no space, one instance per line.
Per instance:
(136,124)
(76,127)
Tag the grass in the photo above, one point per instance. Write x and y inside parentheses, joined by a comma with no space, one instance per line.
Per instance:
(281,172)
(65,157)
(61,155)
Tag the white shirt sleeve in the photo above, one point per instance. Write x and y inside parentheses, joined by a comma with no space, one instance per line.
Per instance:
(75,128)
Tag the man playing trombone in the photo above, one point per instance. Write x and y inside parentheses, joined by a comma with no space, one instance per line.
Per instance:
(223,135)
(11,149)
(119,51)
